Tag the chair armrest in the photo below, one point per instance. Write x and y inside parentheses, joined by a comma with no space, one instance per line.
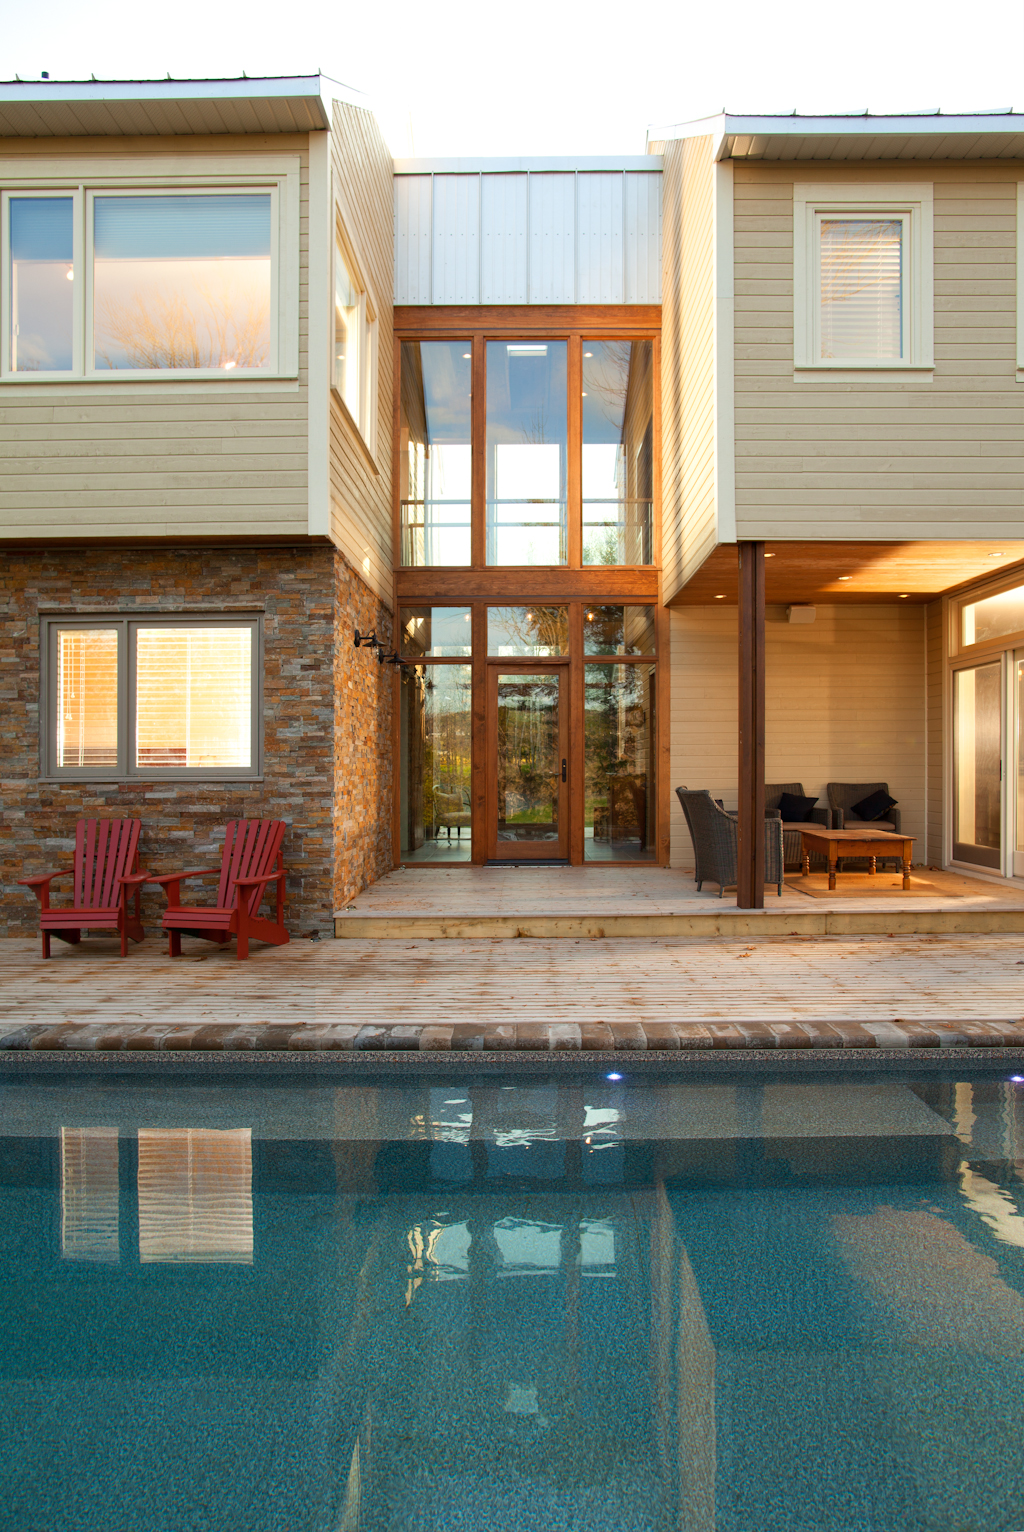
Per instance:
(772,814)
(822,816)
(839,819)
(131,878)
(176,877)
(894,815)
(270,877)
(44,877)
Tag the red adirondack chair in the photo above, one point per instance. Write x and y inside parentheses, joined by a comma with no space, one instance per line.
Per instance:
(106,854)
(252,859)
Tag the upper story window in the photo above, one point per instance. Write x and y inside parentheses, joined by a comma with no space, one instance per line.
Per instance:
(355,345)
(142,283)
(566,434)
(863,277)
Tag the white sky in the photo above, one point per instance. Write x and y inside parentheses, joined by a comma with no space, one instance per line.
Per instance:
(555,77)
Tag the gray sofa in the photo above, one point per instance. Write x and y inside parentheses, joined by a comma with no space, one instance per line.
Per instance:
(843,795)
(792,845)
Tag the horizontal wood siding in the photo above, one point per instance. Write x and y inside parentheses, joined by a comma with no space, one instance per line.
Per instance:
(845,702)
(360,487)
(935,652)
(687,368)
(149,458)
(875,458)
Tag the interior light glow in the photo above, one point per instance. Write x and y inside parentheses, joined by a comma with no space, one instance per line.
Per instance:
(467,356)
(70,273)
(584,393)
(588,353)
(527,350)
(228,366)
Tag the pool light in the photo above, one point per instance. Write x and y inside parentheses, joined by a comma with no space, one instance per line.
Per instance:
(1014,1079)
(613,1077)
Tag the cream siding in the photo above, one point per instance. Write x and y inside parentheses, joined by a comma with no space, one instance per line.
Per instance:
(360,485)
(688,361)
(885,459)
(844,702)
(149,458)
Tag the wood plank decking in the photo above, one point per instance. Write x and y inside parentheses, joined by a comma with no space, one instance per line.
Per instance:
(573,902)
(430,996)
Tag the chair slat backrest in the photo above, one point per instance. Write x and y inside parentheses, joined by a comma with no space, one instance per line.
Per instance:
(105,849)
(251,848)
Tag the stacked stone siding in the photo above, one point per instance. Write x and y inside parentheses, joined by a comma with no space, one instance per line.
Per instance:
(326,720)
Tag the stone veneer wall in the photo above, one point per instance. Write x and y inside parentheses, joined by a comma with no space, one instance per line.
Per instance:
(327,721)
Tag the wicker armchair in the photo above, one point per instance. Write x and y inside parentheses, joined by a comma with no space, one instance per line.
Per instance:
(792,845)
(843,795)
(715,834)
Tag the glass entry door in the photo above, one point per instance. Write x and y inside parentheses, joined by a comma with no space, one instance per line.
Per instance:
(528,763)
(1017,778)
(977,765)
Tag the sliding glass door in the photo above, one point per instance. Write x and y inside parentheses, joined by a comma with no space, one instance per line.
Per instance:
(977,765)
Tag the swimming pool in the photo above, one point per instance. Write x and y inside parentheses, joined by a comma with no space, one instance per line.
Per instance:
(317,1305)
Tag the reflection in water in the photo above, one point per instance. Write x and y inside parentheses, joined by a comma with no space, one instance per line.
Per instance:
(195,1195)
(89,1194)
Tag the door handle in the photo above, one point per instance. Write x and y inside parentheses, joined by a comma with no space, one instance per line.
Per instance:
(564,776)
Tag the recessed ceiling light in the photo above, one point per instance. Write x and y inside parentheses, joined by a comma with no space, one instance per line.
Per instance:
(769,555)
(467,356)
(719,598)
(588,353)
(844,577)
(997,555)
(904,595)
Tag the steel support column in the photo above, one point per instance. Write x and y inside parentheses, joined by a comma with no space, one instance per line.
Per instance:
(750,859)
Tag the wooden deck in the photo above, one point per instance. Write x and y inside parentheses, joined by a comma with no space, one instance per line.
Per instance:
(461,903)
(430,996)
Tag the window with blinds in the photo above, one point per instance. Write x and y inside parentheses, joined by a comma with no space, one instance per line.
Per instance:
(861,289)
(182,281)
(152,696)
(195,1195)
(87,677)
(89,1195)
(193,697)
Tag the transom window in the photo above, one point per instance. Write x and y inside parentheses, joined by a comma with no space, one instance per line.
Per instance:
(152,696)
(566,434)
(141,282)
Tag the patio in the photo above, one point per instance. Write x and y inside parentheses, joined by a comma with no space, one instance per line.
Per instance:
(570,902)
(633,996)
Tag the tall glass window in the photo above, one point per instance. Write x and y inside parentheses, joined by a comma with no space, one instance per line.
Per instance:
(619,802)
(435,455)
(42,284)
(347,335)
(618,451)
(977,765)
(182,281)
(435,760)
(527,449)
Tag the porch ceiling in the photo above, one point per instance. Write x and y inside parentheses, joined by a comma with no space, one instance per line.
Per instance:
(812,571)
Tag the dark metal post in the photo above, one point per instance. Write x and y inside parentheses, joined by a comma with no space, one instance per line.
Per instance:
(750,859)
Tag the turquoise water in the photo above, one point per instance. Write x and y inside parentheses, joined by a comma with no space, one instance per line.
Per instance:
(469,1304)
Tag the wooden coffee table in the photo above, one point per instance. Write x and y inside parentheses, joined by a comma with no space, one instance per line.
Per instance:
(833,844)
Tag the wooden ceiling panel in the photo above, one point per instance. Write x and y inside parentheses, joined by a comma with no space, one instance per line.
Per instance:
(830,573)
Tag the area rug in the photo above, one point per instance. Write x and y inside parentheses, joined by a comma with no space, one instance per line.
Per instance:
(861,885)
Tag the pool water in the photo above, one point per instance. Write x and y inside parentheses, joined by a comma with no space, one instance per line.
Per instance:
(730,1305)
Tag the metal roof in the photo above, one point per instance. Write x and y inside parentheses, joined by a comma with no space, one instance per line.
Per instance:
(909,136)
(469,165)
(101,108)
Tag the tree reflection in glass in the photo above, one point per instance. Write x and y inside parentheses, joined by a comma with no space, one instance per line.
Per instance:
(436,757)
(619,800)
(618,451)
(182,282)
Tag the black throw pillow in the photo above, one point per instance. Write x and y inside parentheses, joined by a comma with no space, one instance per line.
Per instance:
(795,810)
(874,806)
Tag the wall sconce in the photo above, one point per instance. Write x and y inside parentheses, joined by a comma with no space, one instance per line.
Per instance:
(368,640)
(383,657)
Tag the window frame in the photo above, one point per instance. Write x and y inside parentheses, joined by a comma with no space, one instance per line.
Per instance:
(279,177)
(365,427)
(888,201)
(126,625)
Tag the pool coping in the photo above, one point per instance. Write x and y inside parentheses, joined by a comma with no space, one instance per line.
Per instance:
(377,1062)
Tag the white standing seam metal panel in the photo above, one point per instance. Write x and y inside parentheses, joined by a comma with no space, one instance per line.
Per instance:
(504,239)
(599,266)
(456,277)
(528,236)
(552,238)
(413,211)
(643,236)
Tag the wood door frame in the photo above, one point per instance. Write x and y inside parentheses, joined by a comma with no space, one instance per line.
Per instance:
(523,665)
